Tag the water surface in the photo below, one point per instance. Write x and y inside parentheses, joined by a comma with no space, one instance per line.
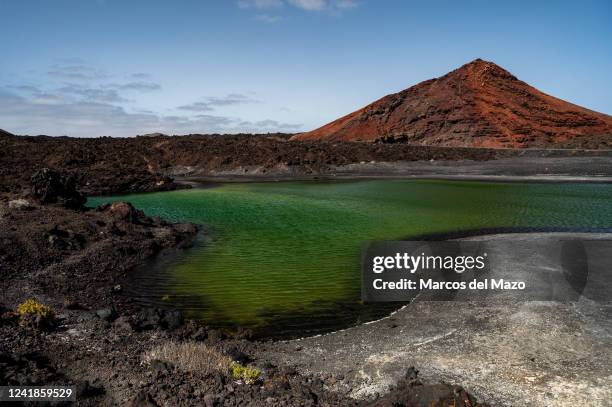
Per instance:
(283,258)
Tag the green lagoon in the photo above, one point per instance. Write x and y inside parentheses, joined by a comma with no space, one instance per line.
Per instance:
(283,258)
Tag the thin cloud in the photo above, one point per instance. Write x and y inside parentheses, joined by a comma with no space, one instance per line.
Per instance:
(25,88)
(330,6)
(309,4)
(77,72)
(110,93)
(38,96)
(140,86)
(345,4)
(140,75)
(333,6)
(267,18)
(81,72)
(260,4)
(212,102)
(196,107)
(47,99)
(96,95)
(275,124)
(231,99)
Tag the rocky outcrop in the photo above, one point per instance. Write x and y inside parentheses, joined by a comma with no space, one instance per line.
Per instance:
(478,105)
(4,133)
(49,186)
(82,256)
(410,391)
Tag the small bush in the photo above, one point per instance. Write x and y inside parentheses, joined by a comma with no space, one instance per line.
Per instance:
(247,374)
(34,308)
(190,356)
(33,314)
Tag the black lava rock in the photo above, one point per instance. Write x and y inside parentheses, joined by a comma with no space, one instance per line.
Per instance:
(153,318)
(85,389)
(50,186)
(160,369)
(238,356)
(172,319)
(107,314)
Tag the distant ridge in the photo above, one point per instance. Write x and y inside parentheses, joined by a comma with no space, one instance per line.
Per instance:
(5,133)
(477,105)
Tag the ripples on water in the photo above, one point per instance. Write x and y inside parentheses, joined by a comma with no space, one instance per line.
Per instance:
(283,258)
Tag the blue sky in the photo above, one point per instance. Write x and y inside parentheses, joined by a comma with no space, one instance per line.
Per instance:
(120,68)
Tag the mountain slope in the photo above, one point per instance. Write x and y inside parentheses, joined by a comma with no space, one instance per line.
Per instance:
(477,105)
(4,133)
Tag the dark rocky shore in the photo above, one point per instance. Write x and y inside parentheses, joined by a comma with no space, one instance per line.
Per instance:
(82,329)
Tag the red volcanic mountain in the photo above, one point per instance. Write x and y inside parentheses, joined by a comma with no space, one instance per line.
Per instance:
(478,105)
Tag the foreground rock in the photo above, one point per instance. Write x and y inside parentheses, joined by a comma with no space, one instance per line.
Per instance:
(49,186)
(79,255)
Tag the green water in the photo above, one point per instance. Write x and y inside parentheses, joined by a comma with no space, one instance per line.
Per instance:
(285,256)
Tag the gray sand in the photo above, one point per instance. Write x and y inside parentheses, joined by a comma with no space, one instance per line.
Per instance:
(506,352)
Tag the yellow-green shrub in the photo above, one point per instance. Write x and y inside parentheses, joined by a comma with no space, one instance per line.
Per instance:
(249,375)
(33,307)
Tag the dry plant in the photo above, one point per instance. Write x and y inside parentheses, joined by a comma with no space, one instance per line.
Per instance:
(190,356)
